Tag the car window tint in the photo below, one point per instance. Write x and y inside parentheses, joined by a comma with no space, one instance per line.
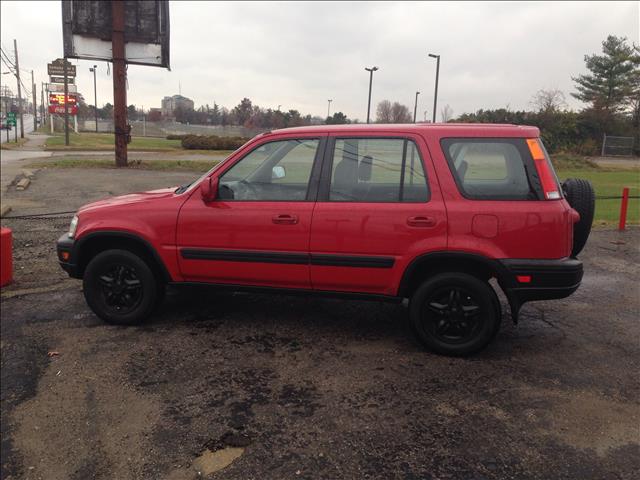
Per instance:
(377,170)
(489,168)
(275,171)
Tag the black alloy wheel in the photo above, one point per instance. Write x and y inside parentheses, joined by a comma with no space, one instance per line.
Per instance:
(452,315)
(121,288)
(455,313)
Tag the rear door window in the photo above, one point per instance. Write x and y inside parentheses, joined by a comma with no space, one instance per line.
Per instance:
(377,170)
(490,169)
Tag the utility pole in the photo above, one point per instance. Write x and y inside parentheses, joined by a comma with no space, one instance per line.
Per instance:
(35,108)
(95,94)
(370,70)
(435,96)
(15,50)
(119,83)
(415,108)
(66,103)
(329,107)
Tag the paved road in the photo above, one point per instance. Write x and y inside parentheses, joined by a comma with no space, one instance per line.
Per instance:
(13,161)
(307,388)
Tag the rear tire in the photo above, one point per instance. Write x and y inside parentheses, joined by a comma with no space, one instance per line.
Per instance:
(580,195)
(455,314)
(120,287)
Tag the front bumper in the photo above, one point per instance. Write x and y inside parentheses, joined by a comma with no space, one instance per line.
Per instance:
(66,257)
(529,280)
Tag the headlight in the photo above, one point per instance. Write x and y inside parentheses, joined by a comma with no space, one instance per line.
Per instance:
(73,226)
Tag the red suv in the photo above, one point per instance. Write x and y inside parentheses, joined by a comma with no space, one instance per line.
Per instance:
(430,213)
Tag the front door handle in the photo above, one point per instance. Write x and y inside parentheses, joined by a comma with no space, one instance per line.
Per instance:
(285,219)
(421,222)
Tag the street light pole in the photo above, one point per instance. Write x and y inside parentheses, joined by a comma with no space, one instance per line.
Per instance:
(95,94)
(435,96)
(329,107)
(415,108)
(370,70)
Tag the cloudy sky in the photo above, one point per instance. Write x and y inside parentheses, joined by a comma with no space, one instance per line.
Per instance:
(300,54)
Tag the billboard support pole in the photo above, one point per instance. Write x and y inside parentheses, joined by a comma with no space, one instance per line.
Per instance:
(66,104)
(119,84)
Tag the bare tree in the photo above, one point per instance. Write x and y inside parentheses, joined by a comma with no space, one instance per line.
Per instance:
(400,113)
(383,112)
(446,113)
(549,100)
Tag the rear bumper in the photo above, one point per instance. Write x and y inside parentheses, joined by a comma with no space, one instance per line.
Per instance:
(65,252)
(541,279)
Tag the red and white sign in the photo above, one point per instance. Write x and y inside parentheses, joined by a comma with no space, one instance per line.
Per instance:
(58,99)
(59,109)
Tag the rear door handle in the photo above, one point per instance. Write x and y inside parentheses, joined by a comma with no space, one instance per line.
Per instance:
(421,222)
(285,219)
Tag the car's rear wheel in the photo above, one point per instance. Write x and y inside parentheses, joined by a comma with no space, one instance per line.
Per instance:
(455,314)
(120,287)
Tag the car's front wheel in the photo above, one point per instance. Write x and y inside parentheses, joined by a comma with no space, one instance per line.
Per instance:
(120,287)
(455,314)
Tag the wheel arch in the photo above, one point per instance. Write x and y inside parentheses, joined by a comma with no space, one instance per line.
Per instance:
(88,246)
(429,264)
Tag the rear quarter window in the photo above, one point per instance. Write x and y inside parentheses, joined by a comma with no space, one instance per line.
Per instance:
(490,168)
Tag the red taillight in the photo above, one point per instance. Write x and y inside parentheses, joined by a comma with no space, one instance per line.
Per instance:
(547,178)
(523,278)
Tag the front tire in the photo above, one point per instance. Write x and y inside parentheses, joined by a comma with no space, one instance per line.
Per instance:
(120,287)
(455,314)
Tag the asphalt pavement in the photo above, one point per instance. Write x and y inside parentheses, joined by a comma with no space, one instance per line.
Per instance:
(279,387)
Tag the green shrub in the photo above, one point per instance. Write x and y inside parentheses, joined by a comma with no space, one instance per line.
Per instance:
(176,136)
(212,142)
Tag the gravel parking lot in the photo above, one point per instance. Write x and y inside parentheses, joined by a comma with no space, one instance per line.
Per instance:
(299,387)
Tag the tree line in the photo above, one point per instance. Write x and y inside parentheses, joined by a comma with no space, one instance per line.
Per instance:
(610,89)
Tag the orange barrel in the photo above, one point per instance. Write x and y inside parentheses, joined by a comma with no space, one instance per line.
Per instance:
(6,258)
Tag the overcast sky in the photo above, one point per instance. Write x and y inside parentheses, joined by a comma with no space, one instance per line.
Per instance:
(300,54)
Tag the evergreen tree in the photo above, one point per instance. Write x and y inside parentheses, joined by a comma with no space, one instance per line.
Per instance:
(612,78)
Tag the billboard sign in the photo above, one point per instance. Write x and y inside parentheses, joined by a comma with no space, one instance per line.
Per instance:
(87,27)
(59,109)
(57,68)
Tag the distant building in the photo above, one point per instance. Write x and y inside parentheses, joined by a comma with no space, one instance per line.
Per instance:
(170,104)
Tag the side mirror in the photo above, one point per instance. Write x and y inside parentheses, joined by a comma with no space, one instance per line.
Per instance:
(278,172)
(209,189)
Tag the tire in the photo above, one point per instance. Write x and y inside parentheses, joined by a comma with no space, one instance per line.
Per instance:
(580,195)
(120,287)
(441,313)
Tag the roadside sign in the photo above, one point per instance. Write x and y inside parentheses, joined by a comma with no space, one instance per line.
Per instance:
(61,80)
(58,99)
(59,109)
(11,119)
(71,88)
(57,68)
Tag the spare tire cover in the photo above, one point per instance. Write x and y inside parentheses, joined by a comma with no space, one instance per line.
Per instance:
(580,195)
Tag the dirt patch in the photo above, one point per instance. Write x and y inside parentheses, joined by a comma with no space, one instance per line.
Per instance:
(78,423)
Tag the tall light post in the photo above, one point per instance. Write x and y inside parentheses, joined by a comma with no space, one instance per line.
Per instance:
(370,70)
(415,108)
(435,96)
(329,107)
(95,94)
